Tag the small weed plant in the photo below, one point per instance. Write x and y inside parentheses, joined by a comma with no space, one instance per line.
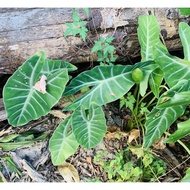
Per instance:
(146,168)
(77,26)
(156,90)
(104,51)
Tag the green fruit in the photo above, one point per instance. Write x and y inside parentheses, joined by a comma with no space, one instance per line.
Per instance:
(137,75)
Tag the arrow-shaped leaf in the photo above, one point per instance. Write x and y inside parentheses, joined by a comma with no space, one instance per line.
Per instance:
(62,143)
(155,81)
(158,121)
(51,66)
(149,36)
(89,126)
(109,84)
(22,101)
(183,130)
(184,31)
(175,96)
(174,68)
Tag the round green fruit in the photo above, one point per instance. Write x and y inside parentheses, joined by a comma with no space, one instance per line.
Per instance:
(137,75)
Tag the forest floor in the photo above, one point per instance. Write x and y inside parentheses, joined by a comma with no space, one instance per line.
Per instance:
(33,161)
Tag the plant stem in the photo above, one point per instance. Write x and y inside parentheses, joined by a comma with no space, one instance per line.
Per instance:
(149,104)
(136,95)
(181,143)
(148,93)
(164,86)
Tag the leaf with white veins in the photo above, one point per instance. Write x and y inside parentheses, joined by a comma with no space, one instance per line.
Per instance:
(158,121)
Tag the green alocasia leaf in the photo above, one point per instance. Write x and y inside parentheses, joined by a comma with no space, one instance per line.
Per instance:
(158,121)
(174,68)
(89,126)
(155,80)
(183,130)
(175,96)
(184,31)
(149,36)
(109,84)
(186,178)
(144,83)
(22,101)
(181,98)
(63,142)
(184,11)
(51,66)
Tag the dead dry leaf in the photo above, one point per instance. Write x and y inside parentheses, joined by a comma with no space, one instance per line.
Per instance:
(137,151)
(8,131)
(114,132)
(89,159)
(68,172)
(59,114)
(113,128)
(114,135)
(40,85)
(133,135)
(159,145)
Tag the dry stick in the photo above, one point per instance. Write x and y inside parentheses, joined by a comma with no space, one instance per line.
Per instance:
(35,176)
(174,168)
(154,174)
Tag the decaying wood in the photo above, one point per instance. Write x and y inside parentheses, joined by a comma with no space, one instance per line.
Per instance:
(35,176)
(3,116)
(24,32)
(2,111)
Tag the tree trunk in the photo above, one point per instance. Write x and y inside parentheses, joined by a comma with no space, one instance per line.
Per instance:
(25,31)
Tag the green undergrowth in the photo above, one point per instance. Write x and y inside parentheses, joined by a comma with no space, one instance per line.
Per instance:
(156,90)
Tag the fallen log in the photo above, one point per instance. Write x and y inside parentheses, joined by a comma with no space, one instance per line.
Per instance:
(2,111)
(25,31)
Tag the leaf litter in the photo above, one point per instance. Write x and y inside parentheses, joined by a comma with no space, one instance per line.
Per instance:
(34,162)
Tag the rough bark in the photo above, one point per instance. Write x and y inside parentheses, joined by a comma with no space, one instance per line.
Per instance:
(24,32)
(2,111)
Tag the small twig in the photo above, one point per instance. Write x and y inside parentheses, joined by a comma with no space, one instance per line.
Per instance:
(174,168)
(32,173)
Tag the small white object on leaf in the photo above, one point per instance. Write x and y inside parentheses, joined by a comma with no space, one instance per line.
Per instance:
(40,85)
